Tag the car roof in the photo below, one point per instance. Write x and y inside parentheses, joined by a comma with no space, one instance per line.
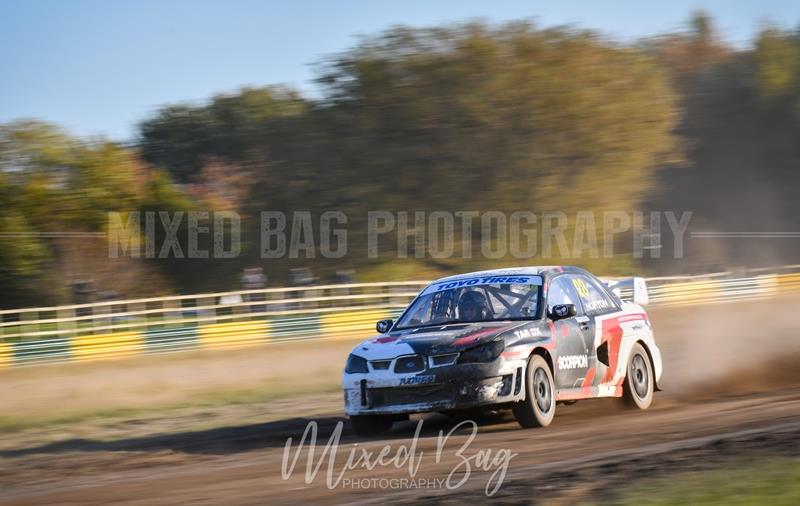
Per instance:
(542,270)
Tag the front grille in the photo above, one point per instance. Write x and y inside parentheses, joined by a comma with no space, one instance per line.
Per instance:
(440,360)
(411,363)
(380,365)
(410,395)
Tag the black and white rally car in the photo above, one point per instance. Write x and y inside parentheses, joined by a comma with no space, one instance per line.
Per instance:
(522,339)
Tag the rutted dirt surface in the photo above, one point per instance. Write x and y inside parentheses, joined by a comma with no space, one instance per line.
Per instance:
(733,392)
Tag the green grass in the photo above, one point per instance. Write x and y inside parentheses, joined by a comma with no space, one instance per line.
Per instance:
(773,482)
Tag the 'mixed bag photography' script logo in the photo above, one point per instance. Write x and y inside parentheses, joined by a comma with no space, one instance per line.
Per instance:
(339,462)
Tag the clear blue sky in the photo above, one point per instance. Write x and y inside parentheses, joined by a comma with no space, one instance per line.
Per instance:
(98,67)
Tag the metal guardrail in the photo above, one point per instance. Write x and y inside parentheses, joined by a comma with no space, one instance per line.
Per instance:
(724,286)
(160,312)
(247,317)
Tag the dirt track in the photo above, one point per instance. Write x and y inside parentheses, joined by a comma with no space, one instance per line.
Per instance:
(707,415)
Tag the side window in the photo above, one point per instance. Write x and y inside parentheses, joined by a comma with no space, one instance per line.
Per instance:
(595,300)
(561,292)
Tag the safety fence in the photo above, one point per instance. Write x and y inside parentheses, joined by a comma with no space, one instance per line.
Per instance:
(242,318)
(205,321)
(724,286)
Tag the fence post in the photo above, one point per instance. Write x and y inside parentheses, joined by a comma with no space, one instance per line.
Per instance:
(68,326)
(212,302)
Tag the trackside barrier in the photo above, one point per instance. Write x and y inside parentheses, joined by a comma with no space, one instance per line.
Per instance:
(116,329)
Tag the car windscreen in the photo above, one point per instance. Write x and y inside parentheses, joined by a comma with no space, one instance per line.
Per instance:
(493,298)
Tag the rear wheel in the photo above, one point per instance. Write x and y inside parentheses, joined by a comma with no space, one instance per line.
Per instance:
(637,390)
(371,425)
(539,406)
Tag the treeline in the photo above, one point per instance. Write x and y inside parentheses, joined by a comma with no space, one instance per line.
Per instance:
(444,119)
(56,192)
(471,117)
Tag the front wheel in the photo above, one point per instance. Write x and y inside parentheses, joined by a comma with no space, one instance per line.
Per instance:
(637,390)
(539,406)
(371,425)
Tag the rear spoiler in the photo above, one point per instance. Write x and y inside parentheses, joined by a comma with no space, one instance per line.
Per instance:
(629,289)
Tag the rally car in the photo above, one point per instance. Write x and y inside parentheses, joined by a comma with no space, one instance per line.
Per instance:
(524,339)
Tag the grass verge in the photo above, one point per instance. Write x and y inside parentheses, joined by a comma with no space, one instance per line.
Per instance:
(773,482)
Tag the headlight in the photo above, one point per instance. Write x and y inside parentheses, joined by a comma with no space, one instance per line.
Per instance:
(355,364)
(485,353)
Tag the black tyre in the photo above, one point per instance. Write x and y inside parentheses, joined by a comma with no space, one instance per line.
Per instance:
(371,425)
(637,390)
(539,406)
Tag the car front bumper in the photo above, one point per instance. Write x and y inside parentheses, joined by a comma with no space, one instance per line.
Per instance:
(452,387)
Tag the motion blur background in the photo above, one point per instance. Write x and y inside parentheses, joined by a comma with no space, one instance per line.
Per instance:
(624,108)
(245,106)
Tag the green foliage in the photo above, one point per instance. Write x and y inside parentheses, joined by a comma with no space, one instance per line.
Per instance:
(53,186)
(162,196)
(758,482)
(741,122)
(26,198)
(464,117)
(103,179)
(232,127)
(501,119)
(59,183)
(469,117)
(777,56)
(23,260)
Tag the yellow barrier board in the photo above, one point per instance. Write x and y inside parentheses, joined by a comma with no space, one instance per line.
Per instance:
(6,355)
(788,282)
(219,335)
(351,324)
(768,283)
(102,346)
(687,292)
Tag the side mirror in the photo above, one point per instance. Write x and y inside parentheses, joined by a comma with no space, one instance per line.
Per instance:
(561,311)
(383,326)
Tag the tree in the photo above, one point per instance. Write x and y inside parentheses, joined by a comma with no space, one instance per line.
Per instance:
(515,112)
(467,117)
(56,192)
(777,56)
(236,127)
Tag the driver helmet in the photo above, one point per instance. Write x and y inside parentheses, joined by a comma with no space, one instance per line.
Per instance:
(472,306)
